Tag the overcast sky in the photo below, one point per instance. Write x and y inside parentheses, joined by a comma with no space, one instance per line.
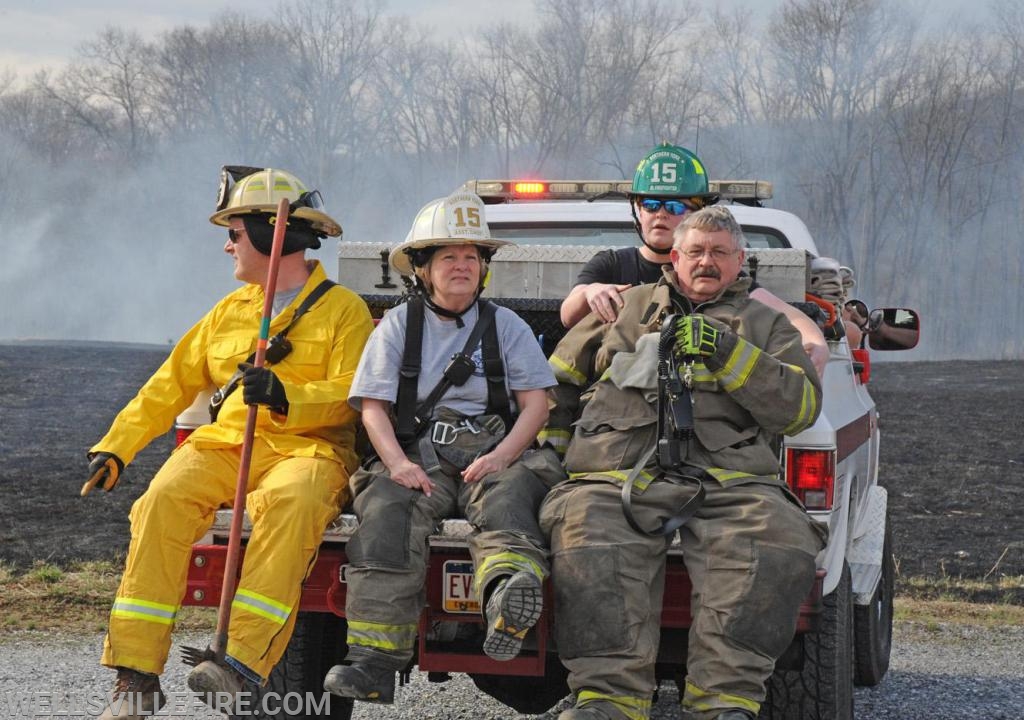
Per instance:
(45,33)
(37,33)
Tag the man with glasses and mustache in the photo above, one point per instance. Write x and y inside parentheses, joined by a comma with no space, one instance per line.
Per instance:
(669,183)
(667,418)
(303,449)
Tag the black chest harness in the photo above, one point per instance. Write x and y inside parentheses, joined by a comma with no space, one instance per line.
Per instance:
(411,420)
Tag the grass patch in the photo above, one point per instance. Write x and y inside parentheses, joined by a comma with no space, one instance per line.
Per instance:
(933,613)
(75,599)
(45,597)
(997,590)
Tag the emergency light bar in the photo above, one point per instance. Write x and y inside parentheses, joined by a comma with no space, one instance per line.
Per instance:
(741,189)
(495,191)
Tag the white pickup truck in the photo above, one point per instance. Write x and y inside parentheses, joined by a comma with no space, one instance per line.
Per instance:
(845,625)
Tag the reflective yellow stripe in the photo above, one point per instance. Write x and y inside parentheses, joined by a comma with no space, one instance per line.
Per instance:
(261,605)
(564,372)
(727,476)
(558,439)
(633,708)
(135,609)
(643,479)
(808,408)
(700,700)
(509,561)
(382,637)
(700,374)
(736,371)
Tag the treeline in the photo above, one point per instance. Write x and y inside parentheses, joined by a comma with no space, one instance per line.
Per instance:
(899,138)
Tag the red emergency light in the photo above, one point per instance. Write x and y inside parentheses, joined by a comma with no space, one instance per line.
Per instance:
(811,475)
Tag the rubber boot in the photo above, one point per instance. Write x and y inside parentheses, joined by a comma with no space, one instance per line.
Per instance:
(587,712)
(369,675)
(513,608)
(216,685)
(734,715)
(136,695)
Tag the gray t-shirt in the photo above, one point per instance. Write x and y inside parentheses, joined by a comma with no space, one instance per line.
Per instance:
(377,376)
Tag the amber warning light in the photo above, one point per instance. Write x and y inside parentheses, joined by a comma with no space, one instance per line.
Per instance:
(528,188)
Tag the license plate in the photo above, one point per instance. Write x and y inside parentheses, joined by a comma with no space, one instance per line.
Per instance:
(458,587)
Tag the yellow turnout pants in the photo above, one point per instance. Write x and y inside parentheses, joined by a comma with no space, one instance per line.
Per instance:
(290,502)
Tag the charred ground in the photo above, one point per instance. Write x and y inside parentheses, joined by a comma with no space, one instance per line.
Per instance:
(951,459)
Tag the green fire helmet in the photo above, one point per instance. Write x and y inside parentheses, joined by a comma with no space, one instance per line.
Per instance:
(672,171)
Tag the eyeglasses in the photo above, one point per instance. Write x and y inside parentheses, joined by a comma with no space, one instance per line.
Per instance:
(716,253)
(235,235)
(672,207)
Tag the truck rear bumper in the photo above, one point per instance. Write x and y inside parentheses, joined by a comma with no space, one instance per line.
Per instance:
(440,647)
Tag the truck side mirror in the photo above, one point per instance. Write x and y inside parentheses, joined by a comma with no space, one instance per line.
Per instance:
(893,329)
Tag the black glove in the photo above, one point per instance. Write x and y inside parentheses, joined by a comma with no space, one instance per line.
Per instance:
(104,470)
(260,386)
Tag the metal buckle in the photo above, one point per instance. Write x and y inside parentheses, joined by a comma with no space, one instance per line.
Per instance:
(443,433)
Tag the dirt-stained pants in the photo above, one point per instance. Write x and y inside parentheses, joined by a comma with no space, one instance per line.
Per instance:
(388,551)
(750,552)
(290,502)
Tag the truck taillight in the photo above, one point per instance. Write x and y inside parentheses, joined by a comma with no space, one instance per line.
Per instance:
(528,188)
(181,435)
(811,475)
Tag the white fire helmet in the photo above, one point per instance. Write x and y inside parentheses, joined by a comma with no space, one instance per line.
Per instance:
(458,219)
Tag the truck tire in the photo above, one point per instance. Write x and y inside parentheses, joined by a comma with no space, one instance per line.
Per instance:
(823,689)
(873,624)
(317,643)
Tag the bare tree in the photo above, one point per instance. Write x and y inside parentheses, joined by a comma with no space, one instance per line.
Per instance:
(327,114)
(106,91)
(581,72)
(830,59)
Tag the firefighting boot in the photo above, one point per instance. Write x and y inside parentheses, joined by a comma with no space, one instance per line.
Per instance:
(734,715)
(587,712)
(369,675)
(513,608)
(136,695)
(216,685)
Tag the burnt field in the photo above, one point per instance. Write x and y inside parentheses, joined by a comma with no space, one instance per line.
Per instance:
(951,458)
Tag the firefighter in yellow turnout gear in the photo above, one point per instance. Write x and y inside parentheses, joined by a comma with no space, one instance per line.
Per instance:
(749,548)
(303,450)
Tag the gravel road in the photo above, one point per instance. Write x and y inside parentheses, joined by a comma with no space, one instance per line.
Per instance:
(949,672)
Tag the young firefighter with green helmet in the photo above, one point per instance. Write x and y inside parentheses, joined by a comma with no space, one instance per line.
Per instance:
(302,452)
(452,390)
(670,182)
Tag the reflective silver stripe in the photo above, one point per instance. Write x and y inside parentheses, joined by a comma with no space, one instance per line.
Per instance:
(261,605)
(135,609)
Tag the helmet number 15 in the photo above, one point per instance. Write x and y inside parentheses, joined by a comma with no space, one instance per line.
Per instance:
(663,172)
(467,216)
